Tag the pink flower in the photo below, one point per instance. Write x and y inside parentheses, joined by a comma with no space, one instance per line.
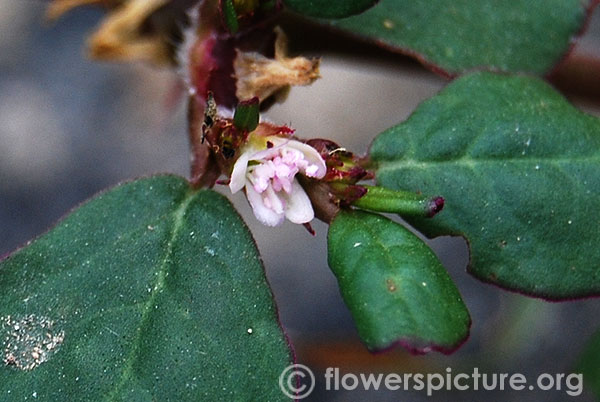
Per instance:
(268,172)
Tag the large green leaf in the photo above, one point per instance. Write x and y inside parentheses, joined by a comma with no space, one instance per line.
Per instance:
(459,35)
(395,287)
(519,168)
(329,8)
(149,292)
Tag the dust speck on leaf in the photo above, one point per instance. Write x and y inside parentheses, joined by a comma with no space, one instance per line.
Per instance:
(29,341)
(210,251)
(388,24)
(391,285)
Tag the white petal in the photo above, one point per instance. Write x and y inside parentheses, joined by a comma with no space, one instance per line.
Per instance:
(277,204)
(298,207)
(312,156)
(238,175)
(265,215)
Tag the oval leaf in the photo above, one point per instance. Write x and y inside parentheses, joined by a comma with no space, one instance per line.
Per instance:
(150,291)
(519,168)
(454,36)
(395,287)
(329,8)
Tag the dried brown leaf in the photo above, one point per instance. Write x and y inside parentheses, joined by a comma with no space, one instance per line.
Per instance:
(262,77)
(59,7)
(120,36)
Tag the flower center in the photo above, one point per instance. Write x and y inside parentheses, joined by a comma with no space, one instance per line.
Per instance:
(278,172)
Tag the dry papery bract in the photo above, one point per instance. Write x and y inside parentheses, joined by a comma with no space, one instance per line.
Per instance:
(121,36)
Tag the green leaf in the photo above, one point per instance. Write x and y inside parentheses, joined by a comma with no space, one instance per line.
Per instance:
(329,8)
(454,36)
(149,292)
(247,115)
(519,168)
(588,365)
(230,16)
(395,287)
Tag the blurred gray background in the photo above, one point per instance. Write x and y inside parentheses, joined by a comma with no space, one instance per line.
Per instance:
(70,127)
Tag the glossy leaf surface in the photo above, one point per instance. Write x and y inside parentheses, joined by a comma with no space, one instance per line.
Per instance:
(455,36)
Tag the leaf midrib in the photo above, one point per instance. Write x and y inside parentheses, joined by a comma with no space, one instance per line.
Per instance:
(470,162)
(178,215)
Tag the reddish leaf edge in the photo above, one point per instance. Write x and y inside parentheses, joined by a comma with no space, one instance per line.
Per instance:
(8,255)
(449,75)
(408,344)
(505,287)
(469,267)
